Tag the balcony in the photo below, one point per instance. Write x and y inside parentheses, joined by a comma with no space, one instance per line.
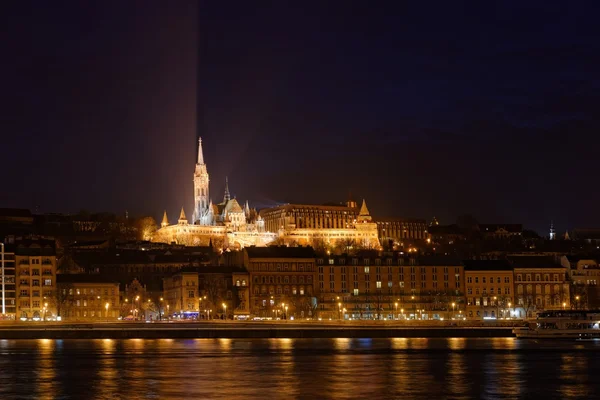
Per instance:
(47,272)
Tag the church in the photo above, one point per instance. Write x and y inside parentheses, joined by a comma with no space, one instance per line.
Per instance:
(223,225)
(228,225)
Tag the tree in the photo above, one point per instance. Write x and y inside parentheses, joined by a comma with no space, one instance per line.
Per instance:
(61,299)
(146,228)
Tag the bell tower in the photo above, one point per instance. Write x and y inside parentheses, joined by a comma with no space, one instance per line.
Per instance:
(201,180)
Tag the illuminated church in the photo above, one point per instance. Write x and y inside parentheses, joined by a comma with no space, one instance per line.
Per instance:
(224,225)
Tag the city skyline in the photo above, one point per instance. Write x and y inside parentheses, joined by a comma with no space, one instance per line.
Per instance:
(384,106)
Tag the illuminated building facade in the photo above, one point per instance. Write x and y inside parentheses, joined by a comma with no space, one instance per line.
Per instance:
(181,295)
(9,299)
(281,277)
(85,297)
(334,227)
(389,287)
(540,284)
(35,263)
(399,230)
(490,289)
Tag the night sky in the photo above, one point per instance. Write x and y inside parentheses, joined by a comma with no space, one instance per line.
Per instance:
(424,109)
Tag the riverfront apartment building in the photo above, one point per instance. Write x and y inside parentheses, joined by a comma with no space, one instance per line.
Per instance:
(279,277)
(35,263)
(181,294)
(541,283)
(8,299)
(490,289)
(389,287)
(84,297)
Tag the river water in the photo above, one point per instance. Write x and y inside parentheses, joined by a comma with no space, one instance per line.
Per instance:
(298,369)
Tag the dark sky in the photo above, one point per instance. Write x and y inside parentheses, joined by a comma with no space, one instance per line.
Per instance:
(422,108)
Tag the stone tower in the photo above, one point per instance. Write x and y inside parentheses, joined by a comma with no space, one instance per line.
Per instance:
(201,180)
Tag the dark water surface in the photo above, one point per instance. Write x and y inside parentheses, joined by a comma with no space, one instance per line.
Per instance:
(298,369)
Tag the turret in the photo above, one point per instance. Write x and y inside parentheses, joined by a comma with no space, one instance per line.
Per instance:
(363,214)
(165,220)
(182,218)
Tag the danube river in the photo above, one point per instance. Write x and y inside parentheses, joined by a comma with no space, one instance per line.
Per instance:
(298,369)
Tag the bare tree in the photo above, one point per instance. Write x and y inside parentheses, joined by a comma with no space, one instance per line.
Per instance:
(62,299)
(146,228)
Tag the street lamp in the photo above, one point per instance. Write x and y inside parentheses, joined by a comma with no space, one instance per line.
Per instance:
(286,314)
(564,305)
(339,310)
(395,310)
(402,312)
(225,310)
(509,304)
(106,306)
(577,303)
(453,304)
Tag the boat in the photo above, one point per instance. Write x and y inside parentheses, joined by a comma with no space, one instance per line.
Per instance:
(562,324)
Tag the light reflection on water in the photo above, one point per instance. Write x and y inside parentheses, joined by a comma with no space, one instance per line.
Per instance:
(298,368)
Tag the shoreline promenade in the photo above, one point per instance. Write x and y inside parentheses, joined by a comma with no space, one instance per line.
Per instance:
(249,330)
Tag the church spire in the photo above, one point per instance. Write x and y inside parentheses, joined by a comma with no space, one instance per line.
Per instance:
(200,153)
(165,221)
(227,196)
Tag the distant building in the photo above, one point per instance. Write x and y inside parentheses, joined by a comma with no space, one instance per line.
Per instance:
(398,230)
(584,272)
(332,226)
(281,275)
(500,231)
(9,298)
(591,236)
(84,297)
(490,289)
(35,262)
(541,283)
(181,295)
(389,287)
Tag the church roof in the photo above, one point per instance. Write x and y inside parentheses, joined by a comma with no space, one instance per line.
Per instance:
(233,206)
(182,214)
(165,221)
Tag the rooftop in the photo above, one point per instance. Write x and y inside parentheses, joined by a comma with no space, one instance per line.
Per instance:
(487,265)
(280,252)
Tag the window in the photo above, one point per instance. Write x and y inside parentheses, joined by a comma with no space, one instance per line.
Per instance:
(483,279)
(498,280)
(506,279)
(190,293)
(366,270)
(378,284)
(331,261)
(356,292)
(47,282)
(469,279)
(389,284)
(476,279)
(36,303)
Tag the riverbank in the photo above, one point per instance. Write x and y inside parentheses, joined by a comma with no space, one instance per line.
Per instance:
(242,330)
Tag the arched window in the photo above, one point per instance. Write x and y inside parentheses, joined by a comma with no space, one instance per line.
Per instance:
(243,282)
